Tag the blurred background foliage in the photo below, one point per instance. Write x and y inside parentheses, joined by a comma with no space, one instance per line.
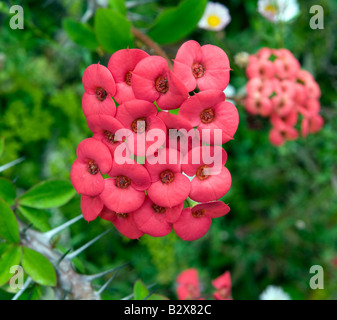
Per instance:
(283,201)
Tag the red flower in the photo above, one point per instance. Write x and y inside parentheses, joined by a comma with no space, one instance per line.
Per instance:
(99,87)
(194,222)
(121,64)
(94,158)
(124,191)
(209,110)
(278,135)
(223,285)
(91,207)
(152,80)
(211,179)
(311,124)
(140,117)
(169,186)
(155,220)
(123,222)
(188,286)
(206,67)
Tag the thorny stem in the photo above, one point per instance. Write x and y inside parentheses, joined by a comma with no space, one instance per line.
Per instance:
(151,44)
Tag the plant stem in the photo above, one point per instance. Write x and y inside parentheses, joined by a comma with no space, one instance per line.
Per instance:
(151,44)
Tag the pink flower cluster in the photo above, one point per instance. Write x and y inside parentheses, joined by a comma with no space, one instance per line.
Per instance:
(188,286)
(278,88)
(144,190)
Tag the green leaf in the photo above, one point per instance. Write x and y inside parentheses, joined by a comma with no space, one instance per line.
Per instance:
(4,246)
(80,33)
(156,296)
(113,30)
(7,191)
(2,145)
(39,218)
(48,194)
(176,23)
(38,267)
(140,291)
(118,5)
(8,259)
(9,228)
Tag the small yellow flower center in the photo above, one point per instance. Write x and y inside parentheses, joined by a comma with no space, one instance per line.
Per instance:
(271,8)
(213,20)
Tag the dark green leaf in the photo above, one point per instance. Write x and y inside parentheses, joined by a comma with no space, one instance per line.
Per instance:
(38,267)
(176,23)
(7,191)
(9,228)
(140,291)
(113,30)
(118,5)
(2,145)
(8,259)
(48,194)
(156,296)
(80,33)
(39,218)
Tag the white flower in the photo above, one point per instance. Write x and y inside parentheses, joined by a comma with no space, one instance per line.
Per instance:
(278,10)
(216,17)
(274,293)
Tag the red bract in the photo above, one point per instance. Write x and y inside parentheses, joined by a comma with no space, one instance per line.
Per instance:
(194,222)
(121,64)
(99,88)
(124,223)
(137,170)
(169,186)
(155,220)
(140,116)
(210,182)
(223,285)
(206,67)
(124,191)
(278,89)
(188,286)
(209,110)
(152,80)
(93,158)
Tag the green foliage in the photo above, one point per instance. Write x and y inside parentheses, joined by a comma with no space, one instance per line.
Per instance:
(39,218)
(7,191)
(9,229)
(118,5)
(176,23)
(48,194)
(141,292)
(2,145)
(113,30)
(80,33)
(38,267)
(9,258)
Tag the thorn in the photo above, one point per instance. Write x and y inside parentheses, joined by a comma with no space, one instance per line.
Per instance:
(27,228)
(84,247)
(53,232)
(107,283)
(101,274)
(11,164)
(21,291)
(62,257)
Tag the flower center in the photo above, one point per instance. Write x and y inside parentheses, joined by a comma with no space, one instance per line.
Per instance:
(128,77)
(100,94)
(213,20)
(198,70)
(199,213)
(122,215)
(207,115)
(122,182)
(201,174)
(109,137)
(93,167)
(139,125)
(161,84)
(271,9)
(158,209)
(167,176)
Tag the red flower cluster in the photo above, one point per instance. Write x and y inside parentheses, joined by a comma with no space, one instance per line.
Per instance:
(278,88)
(188,286)
(143,162)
